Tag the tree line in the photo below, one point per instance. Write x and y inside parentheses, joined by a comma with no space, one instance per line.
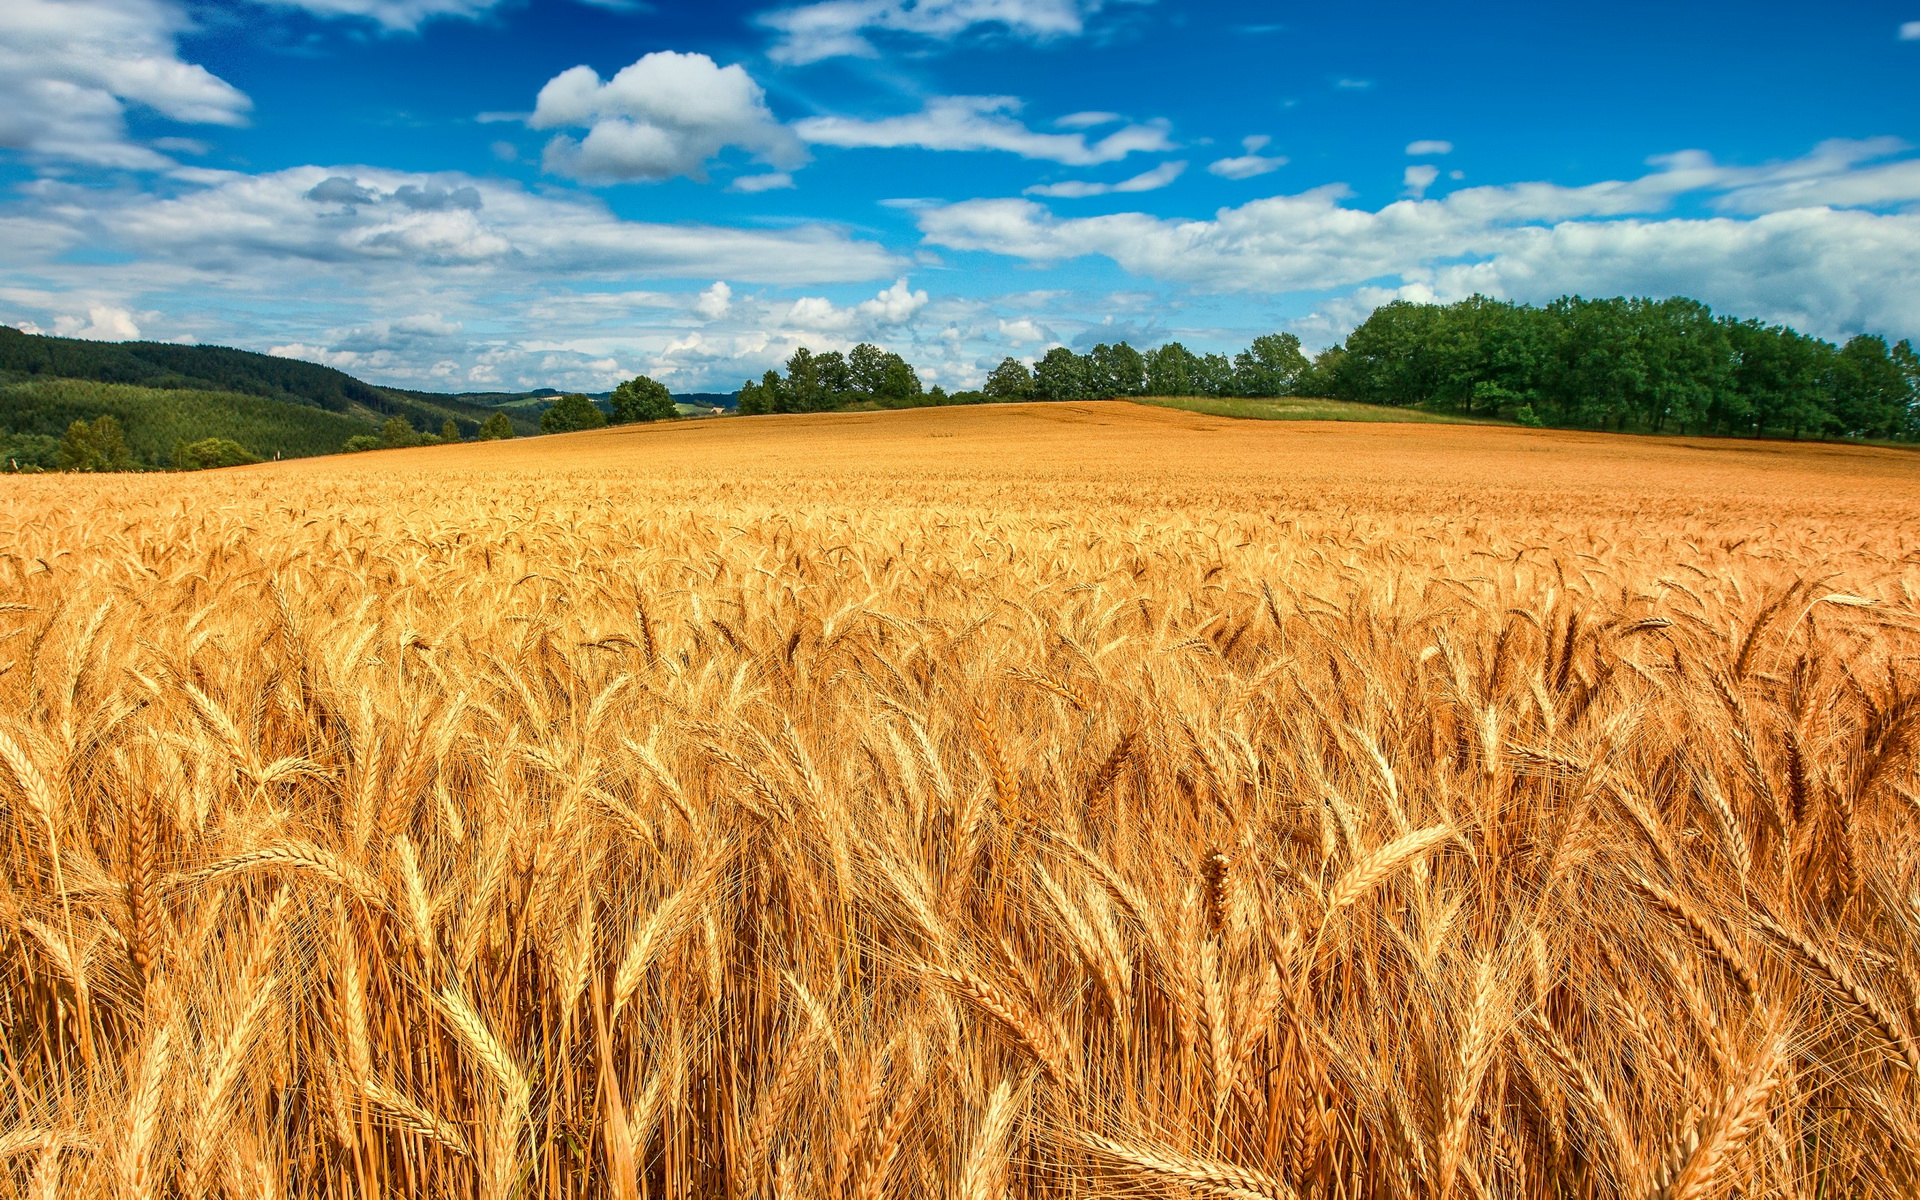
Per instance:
(1620,363)
(865,376)
(1641,364)
(1273,366)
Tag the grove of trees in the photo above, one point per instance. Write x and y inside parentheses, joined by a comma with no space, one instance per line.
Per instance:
(822,382)
(571,413)
(1273,366)
(1652,365)
(642,399)
(1622,363)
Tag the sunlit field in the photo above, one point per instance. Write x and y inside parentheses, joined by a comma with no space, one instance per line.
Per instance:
(1072,801)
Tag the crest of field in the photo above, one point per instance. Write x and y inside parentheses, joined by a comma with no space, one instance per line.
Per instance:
(1067,456)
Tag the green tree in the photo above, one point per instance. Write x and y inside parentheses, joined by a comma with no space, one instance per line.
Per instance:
(867,369)
(450,430)
(29,452)
(95,446)
(1777,379)
(1011,380)
(642,399)
(570,413)
(803,389)
(211,452)
(1172,370)
(1060,375)
(1115,369)
(497,427)
(1391,358)
(835,379)
(361,441)
(1215,376)
(1684,358)
(1907,360)
(937,396)
(756,399)
(1270,367)
(1321,379)
(1870,391)
(395,432)
(899,383)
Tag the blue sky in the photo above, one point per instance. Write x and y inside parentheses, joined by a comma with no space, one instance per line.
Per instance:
(477,194)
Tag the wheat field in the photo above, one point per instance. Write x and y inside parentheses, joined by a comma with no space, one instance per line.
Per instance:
(1081,801)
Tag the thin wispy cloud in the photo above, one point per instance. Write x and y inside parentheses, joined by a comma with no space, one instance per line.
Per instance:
(970,123)
(1146,181)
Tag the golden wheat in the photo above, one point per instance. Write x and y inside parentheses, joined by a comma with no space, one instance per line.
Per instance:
(1071,802)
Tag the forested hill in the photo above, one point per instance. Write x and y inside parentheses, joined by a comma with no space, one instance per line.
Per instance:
(221,369)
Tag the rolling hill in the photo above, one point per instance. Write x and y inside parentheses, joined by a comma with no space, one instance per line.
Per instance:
(217,376)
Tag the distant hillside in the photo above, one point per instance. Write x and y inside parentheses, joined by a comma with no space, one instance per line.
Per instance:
(163,394)
(35,412)
(223,370)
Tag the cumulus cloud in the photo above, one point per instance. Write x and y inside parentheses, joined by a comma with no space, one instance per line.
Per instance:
(892,306)
(1828,268)
(669,114)
(103,323)
(1910,31)
(1146,181)
(1421,149)
(393,14)
(1022,332)
(69,69)
(716,302)
(841,28)
(1250,164)
(983,123)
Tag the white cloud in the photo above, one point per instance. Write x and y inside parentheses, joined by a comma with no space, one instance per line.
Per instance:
(70,68)
(771,181)
(819,314)
(1833,174)
(371,225)
(840,28)
(893,306)
(1250,164)
(1354,85)
(716,302)
(1910,31)
(1828,269)
(393,14)
(103,323)
(397,334)
(1087,120)
(1146,181)
(1426,146)
(668,114)
(1419,179)
(1022,332)
(983,123)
